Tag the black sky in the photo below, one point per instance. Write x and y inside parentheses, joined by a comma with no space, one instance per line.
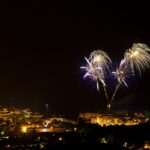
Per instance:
(42,46)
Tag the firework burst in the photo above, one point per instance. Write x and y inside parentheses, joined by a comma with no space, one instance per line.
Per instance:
(97,67)
(135,58)
(101,60)
(138,57)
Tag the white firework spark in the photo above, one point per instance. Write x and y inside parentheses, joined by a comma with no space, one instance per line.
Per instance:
(122,72)
(96,68)
(138,57)
(100,59)
(135,58)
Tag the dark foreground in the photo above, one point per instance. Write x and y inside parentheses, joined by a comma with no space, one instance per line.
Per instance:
(85,135)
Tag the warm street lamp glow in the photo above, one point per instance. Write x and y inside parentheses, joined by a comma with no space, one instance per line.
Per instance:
(24,129)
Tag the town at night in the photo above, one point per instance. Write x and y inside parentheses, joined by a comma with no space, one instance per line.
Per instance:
(74,75)
(23,129)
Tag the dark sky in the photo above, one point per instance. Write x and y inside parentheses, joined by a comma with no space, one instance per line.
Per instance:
(42,46)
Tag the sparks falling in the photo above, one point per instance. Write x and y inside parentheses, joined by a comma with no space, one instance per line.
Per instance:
(138,57)
(98,64)
(135,58)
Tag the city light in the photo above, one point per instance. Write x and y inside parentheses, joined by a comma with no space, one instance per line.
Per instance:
(24,129)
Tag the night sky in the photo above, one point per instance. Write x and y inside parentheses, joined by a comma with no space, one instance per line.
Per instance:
(42,46)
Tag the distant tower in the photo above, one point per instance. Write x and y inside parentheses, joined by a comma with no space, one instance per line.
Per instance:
(46,108)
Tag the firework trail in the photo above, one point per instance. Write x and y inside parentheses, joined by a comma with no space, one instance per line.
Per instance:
(97,68)
(135,58)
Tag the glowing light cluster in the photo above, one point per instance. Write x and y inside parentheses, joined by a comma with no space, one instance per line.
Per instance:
(24,129)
